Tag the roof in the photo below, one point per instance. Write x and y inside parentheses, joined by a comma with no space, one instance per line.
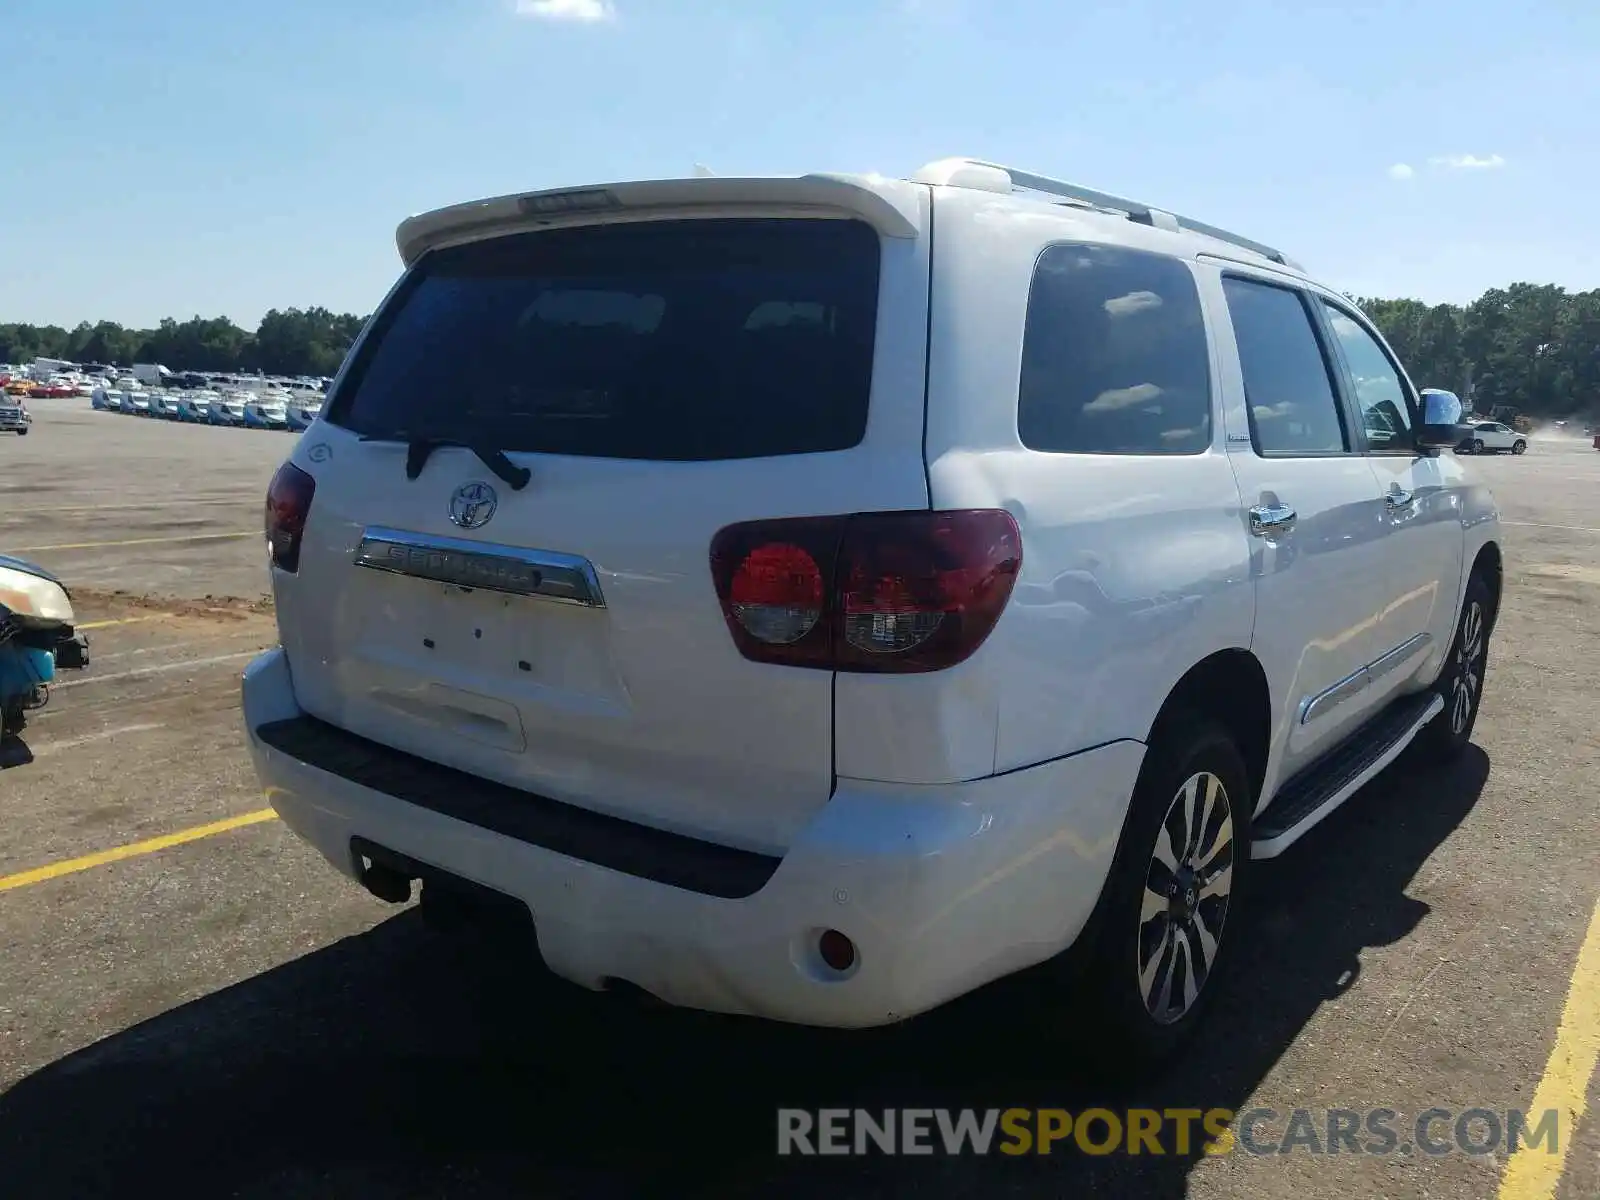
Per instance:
(889,205)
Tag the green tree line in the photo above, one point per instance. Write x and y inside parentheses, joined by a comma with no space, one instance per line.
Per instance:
(293,341)
(1530,346)
(1533,347)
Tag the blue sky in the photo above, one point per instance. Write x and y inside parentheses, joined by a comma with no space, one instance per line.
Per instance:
(180,157)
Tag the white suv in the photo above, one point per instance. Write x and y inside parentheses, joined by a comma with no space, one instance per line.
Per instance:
(818,597)
(1492,437)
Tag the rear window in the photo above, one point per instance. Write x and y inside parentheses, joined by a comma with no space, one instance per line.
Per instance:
(669,340)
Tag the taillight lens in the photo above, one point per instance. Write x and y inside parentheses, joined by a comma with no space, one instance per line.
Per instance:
(288,504)
(776,594)
(875,592)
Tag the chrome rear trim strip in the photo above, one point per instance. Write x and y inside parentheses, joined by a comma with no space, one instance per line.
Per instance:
(513,570)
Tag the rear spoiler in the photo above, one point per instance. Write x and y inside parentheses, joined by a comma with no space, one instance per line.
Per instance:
(889,206)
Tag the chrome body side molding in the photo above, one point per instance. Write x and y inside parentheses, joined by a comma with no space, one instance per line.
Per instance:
(1330,698)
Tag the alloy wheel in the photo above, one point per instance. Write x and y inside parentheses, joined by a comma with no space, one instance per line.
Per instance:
(1469,668)
(1188,885)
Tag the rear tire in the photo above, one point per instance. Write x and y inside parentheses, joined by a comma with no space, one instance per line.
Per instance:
(1461,680)
(1162,935)
(1477,446)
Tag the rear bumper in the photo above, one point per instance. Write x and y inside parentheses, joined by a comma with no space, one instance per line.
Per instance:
(942,889)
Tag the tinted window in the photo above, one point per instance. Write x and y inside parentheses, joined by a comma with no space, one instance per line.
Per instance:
(683,340)
(1114,357)
(1293,407)
(1380,395)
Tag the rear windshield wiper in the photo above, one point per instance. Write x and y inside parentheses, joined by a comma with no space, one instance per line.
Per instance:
(420,447)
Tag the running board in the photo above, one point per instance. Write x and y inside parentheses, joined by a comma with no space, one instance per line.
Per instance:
(1310,796)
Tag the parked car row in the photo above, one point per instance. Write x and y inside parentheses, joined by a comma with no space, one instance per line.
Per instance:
(248,409)
(55,388)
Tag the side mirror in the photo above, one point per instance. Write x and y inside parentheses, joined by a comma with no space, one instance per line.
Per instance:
(1441,420)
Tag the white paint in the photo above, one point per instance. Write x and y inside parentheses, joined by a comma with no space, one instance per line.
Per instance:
(69,743)
(172,648)
(1542,525)
(252,497)
(182,664)
(945,887)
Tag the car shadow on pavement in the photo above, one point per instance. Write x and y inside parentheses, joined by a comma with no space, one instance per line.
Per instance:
(401,1063)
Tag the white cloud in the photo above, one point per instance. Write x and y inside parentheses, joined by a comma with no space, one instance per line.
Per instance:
(1343,325)
(1120,398)
(1401,171)
(1468,162)
(581,12)
(1133,302)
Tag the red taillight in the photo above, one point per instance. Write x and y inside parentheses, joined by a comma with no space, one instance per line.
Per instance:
(776,594)
(874,592)
(288,504)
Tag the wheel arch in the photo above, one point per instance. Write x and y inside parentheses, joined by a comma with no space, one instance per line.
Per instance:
(1231,686)
(1489,565)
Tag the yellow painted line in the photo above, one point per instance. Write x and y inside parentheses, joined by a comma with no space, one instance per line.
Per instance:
(71,866)
(188,537)
(120,621)
(1533,1173)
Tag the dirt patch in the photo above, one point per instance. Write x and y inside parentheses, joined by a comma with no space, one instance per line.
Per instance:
(1574,571)
(223,608)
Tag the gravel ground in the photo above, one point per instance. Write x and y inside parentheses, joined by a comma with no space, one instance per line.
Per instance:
(228,1016)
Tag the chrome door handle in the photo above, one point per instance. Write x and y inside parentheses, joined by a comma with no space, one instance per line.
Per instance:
(1268,519)
(1398,497)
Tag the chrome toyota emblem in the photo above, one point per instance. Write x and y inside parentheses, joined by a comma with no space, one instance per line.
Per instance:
(472,504)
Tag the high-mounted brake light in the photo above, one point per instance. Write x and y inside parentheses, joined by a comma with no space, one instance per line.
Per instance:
(288,504)
(576,200)
(875,592)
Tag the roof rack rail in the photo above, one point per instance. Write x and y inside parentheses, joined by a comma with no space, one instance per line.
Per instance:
(975,172)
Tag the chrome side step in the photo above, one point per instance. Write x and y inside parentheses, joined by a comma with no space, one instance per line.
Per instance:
(1310,796)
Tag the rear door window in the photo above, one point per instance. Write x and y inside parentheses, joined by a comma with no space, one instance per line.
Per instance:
(669,340)
(1288,379)
(1114,355)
